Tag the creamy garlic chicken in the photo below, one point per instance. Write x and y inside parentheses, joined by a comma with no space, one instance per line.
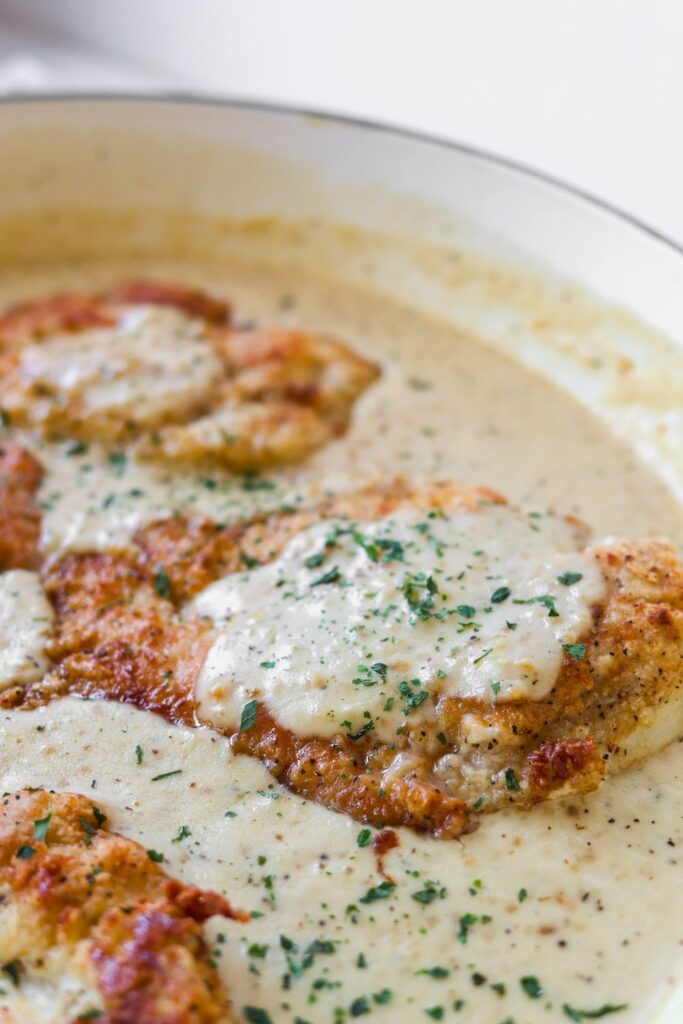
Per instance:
(568,911)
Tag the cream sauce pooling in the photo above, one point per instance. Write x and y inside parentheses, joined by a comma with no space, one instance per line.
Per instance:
(26,619)
(359,623)
(600,922)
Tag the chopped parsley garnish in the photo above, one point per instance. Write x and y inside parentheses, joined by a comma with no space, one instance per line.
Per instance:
(155,856)
(183,833)
(359,1006)
(40,827)
(364,836)
(383,997)
(138,754)
(500,595)
(434,972)
(419,590)
(467,921)
(496,688)
(435,1012)
(331,576)
(466,610)
(522,895)
(25,852)
(248,716)
(267,664)
(567,578)
(379,549)
(247,561)
(257,483)
(511,780)
(575,651)
(368,727)
(602,1011)
(531,986)
(166,775)
(118,460)
(255,1015)
(432,891)
(548,601)
(161,583)
(379,892)
(313,561)
(479,802)
(12,971)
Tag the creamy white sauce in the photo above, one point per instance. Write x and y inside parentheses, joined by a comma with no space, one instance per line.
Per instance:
(153,365)
(359,623)
(599,922)
(26,620)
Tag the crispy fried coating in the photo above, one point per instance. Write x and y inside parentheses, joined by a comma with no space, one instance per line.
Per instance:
(182,386)
(80,900)
(20,477)
(119,637)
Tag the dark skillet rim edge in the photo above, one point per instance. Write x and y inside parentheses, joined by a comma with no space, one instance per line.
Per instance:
(163,96)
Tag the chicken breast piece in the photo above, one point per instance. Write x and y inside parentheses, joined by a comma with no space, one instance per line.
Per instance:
(92,919)
(158,366)
(20,518)
(406,656)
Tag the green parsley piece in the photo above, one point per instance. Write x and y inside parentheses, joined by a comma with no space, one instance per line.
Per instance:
(40,827)
(500,595)
(166,775)
(511,781)
(248,716)
(155,856)
(602,1011)
(364,836)
(567,578)
(379,892)
(255,1015)
(531,986)
(162,583)
(575,651)
(331,576)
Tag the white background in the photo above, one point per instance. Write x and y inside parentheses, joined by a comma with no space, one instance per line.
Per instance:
(588,90)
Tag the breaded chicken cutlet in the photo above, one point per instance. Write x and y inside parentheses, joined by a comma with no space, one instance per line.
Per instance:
(406,656)
(160,368)
(92,915)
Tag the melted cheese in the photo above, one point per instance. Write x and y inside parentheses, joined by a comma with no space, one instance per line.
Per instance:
(154,365)
(588,869)
(371,622)
(26,619)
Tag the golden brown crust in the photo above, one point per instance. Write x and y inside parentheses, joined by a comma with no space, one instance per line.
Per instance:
(20,519)
(70,885)
(118,637)
(192,301)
